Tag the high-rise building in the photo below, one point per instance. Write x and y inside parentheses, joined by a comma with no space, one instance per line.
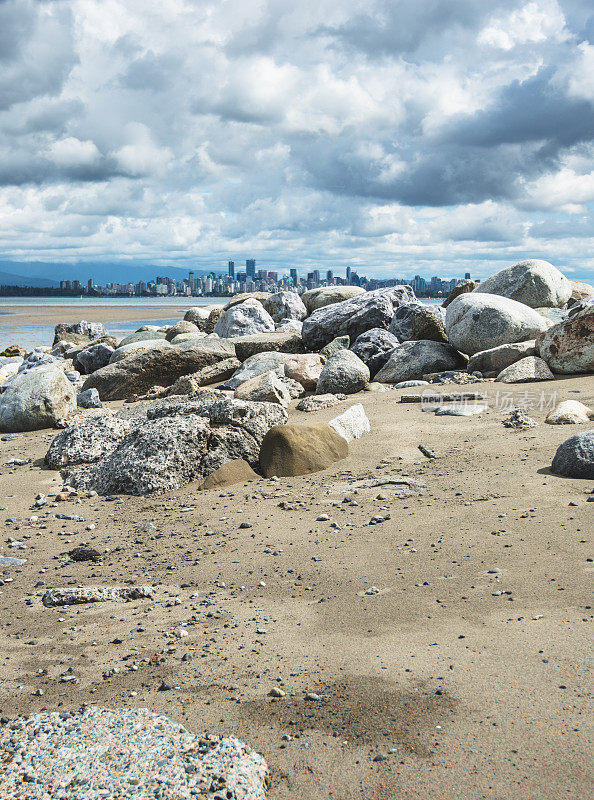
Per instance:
(231,269)
(90,284)
(330,276)
(467,276)
(348,274)
(316,275)
(293,276)
(250,268)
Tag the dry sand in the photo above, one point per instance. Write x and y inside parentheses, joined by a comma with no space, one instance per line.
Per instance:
(468,694)
(52,315)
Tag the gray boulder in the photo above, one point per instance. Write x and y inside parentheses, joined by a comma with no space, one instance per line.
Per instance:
(534,283)
(339,343)
(575,456)
(77,331)
(183,326)
(525,370)
(142,336)
(401,324)
(429,324)
(267,387)
(257,365)
(411,360)
(476,322)
(374,348)
(463,287)
(491,362)
(286,325)
(132,348)
(237,299)
(327,295)
(343,373)
(569,346)
(214,373)
(89,399)
(204,317)
(355,316)
(136,374)
(93,358)
(36,399)
(285,305)
(244,319)
(87,441)
(273,341)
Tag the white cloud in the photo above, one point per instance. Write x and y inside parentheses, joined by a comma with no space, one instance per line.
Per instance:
(71,152)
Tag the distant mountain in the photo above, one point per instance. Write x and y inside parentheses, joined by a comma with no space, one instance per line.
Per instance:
(9,279)
(101,272)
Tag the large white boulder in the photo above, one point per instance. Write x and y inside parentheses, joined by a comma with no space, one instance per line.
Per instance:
(476,322)
(36,399)
(285,305)
(352,423)
(327,295)
(244,319)
(535,283)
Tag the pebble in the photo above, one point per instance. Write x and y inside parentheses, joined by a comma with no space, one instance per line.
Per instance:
(312,696)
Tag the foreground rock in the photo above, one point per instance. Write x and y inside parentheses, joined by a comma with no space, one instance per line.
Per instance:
(463,287)
(569,412)
(136,374)
(285,305)
(236,471)
(214,373)
(178,441)
(94,594)
(257,365)
(93,358)
(476,322)
(411,360)
(575,457)
(267,387)
(319,401)
(36,399)
(343,373)
(355,316)
(327,295)
(273,342)
(87,441)
(244,319)
(183,326)
(305,369)
(569,346)
(414,320)
(525,370)
(580,290)
(290,450)
(352,423)
(124,753)
(491,362)
(79,332)
(374,348)
(537,284)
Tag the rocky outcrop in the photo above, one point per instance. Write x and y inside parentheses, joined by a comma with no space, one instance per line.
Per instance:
(569,412)
(575,456)
(36,399)
(136,374)
(244,319)
(305,369)
(569,346)
(327,295)
(355,316)
(344,373)
(534,283)
(285,305)
(273,342)
(411,360)
(374,348)
(525,370)
(491,362)
(477,322)
(290,450)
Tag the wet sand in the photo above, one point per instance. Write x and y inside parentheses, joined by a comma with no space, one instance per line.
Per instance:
(472,683)
(41,315)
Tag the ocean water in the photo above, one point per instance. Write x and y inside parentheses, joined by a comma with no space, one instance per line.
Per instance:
(12,331)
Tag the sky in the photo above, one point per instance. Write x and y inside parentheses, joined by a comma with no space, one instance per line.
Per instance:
(435,137)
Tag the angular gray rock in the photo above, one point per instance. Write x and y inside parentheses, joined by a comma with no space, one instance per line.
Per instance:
(274,341)
(267,387)
(237,299)
(285,305)
(462,287)
(402,321)
(344,372)
(257,365)
(87,441)
(89,399)
(142,336)
(36,399)
(125,753)
(491,362)
(535,283)
(204,317)
(575,456)
(183,326)
(327,295)
(214,373)
(476,322)
(411,360)
(92,358)
(244,319)
(525,370)
(286,325)
(305,369)
(136,374)
(352,423)
(339,343)
(569,346)
(428,324)
(374,348)
(355,316)
(94,594)
(132,348)
(77,331)
(318,402)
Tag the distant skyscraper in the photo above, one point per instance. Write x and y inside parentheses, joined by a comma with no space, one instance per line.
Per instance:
(250,269)
(467,276)
(293,276)
(348,274)
(232,269)
(330,276)
(316,275)
(90,284)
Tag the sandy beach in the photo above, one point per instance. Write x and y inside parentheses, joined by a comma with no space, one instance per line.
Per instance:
(40,315)
(465,676)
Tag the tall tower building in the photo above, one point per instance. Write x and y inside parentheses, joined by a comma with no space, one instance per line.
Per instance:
(293,277)
(232,269)
(250,269)
(348,274)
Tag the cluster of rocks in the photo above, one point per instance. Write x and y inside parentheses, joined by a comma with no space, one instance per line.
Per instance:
(261,351)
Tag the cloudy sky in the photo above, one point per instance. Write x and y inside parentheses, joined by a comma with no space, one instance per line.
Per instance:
(398,136)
